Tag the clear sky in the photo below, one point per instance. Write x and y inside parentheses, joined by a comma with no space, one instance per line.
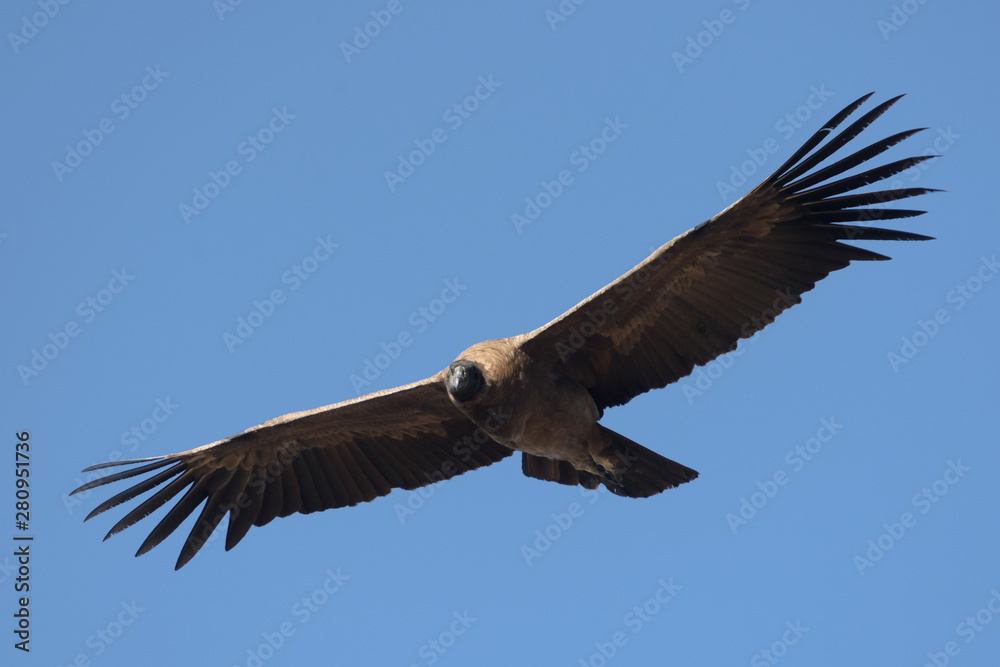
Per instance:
(168,172)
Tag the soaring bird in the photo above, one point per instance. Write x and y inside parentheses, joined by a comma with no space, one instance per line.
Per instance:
(543,393)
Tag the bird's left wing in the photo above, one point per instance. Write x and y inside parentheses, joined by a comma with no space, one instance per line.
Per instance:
(335,456)
(695,297)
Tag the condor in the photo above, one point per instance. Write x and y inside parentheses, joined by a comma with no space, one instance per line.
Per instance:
(543,393)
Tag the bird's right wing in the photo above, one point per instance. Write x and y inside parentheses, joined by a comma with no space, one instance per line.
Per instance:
(335,456)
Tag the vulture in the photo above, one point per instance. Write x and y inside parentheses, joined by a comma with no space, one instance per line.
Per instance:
(543,393)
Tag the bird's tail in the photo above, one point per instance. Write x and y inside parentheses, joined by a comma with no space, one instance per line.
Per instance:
(632,470)
(639,472)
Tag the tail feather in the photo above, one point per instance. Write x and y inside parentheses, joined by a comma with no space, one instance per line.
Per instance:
(555,470)
(642,472)
(635,472)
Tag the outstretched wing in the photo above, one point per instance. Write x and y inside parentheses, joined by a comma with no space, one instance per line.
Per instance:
(695,297)
(335,456)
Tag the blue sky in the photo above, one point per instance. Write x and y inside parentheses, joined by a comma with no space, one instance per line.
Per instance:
(169,172)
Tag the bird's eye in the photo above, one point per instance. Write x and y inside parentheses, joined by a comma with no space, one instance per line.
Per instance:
(465,380)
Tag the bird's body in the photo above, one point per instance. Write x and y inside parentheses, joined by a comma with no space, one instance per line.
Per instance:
(528,407)
(543,414)
(543,393)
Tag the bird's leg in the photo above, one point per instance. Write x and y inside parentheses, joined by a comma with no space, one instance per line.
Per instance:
(609,477)
(614,460)
(610,462)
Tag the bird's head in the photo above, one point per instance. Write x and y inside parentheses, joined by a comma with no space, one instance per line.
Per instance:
(464,381)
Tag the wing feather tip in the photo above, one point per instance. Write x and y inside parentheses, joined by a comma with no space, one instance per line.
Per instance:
(184,557)
(123,462)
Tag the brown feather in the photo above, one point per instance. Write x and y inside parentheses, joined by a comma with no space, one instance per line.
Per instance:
(336,456)
(690,301)
(695,297)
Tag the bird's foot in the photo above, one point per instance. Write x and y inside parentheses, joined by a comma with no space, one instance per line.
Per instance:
(610,478)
